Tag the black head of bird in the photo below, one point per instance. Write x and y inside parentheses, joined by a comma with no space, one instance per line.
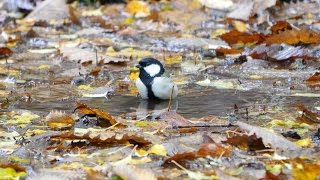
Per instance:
(152,82)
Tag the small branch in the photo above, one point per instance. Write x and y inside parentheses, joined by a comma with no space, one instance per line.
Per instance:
(209,125)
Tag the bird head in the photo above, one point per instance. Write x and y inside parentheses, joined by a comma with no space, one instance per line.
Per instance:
(150,66)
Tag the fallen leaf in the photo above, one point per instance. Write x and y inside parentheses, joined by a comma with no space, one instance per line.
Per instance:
(83,108)
(304,170)
(138,8)
(269,138)
(307,115)
(234,37)
(293,37)
(280,52)
(225,51)
(280,26)
(5,52)
(314,80)
(248,142)
(60,120)
(106,138)
(304,142)
(209,149)
(126,171)
(174,119)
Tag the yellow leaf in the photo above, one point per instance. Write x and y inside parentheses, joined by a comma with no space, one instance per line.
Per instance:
(19,160)
(304,142)
(129,20)
(44,66)
(240,26)
(217,33)
(24,118)
(158,150)
(85,87)
(303,171)
(138,8)
(128,52)
(10,173)
(141,152)
(174,59)
(133,75)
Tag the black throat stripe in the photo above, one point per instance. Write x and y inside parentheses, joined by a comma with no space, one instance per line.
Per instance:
(147,80)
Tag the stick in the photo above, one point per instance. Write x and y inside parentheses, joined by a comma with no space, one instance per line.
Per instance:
(209,125)
(169,105)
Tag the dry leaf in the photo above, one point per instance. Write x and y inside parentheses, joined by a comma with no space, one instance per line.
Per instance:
(106,138)
(209,149)
(234,37)
(280,26)
(293,37)
(274,140)
(5,52)
(307,115)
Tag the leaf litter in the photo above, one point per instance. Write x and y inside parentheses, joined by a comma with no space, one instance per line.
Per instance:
(248,74)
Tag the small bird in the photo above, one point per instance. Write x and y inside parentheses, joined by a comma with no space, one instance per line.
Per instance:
(152,82)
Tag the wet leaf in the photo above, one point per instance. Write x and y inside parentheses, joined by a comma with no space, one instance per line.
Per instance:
(174,119)
(83,108)
(60,120)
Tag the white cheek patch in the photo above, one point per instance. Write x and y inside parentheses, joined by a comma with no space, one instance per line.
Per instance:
(152,69)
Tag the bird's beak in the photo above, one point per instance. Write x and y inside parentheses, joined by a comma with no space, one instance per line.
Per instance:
(138,66)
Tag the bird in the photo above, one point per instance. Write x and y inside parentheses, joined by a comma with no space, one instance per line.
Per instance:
(153,83)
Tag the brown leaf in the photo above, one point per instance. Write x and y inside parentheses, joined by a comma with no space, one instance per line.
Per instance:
(58,120)
(209,149)
(234,37)
(281,26)
(174,119)
(307,115)
(95,72)
(314,80)
(16,167)
(73,16)
(100,114)
(5,52)
(305,169)
(225,51)
(268,137)
(294,36)
(106,138)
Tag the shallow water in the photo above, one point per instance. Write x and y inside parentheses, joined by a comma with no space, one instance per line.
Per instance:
(215,102)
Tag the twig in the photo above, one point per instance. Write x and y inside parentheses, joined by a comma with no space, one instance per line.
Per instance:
(209,125)
(170,100)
